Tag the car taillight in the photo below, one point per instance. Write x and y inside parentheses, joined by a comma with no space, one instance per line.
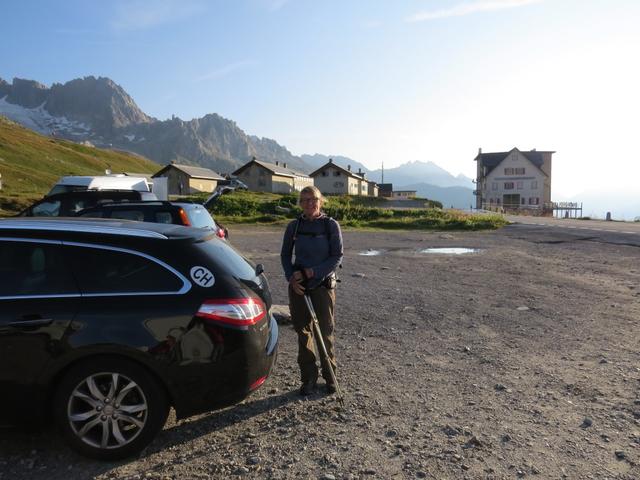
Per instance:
(184,218)
(233,312)
(257,383)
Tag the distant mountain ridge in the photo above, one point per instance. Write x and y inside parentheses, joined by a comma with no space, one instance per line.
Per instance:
(99,111)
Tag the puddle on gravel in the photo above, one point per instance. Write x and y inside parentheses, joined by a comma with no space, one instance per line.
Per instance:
(450,250)
(370,252)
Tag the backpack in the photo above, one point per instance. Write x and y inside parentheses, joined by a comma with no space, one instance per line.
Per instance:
(331,279)
(326,221)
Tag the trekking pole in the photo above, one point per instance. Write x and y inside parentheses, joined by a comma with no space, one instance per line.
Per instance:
(318,335)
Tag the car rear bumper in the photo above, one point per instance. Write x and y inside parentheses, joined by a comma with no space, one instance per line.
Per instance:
(239,372)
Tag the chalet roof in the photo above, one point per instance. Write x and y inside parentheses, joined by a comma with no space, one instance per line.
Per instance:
(273,168)
(335,165)
(492,160)
(193,172)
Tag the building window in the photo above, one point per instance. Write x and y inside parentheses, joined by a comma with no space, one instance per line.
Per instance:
(336,173)
(508,185)
(522,201)
(498,201)
(325,174)
(491,201)
(494,186)
(519,185)
(508,171)
(534,184)
(261,173)
(519,171)
(534,201)
(338,184)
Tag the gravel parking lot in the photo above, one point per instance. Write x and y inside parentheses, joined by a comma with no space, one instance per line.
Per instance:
(518,360)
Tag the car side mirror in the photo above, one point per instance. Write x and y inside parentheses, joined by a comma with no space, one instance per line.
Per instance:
(259,269)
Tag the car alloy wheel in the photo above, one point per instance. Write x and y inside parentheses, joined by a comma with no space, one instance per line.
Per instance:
(109,407)
(107,410)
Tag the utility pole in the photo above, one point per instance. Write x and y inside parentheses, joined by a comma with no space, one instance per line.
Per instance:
(382,173)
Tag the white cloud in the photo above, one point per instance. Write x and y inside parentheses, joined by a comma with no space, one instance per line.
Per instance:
(469,8)
(226,70)
(143,14)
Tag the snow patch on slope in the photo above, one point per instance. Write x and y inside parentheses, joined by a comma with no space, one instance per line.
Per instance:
(41,121)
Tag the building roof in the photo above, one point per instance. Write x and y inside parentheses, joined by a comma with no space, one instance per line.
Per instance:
(492,160)
(193,172)
(331,164)
(273,168)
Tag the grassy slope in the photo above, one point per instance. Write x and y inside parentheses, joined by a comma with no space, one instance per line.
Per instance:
(31,163)
(358,212)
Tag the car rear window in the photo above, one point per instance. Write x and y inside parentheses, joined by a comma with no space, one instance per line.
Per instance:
(200,218)
(131,214)
(163,217)
(109,271)
(228,259)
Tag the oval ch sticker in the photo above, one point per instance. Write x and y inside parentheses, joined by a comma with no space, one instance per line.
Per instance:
(202,276)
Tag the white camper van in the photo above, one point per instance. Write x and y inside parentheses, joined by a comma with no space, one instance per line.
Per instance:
(106,182)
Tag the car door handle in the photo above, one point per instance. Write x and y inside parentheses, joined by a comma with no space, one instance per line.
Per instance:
(31,322)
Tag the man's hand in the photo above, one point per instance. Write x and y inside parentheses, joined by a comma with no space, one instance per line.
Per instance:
(296,282)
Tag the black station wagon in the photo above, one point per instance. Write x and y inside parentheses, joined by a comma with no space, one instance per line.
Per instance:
(104,325)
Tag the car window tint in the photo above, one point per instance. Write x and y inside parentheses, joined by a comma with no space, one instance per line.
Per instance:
(46,209)
(28,268)
(136,215)
(163,217)
(200,218)
(228,259)
(107,271)
(76,205)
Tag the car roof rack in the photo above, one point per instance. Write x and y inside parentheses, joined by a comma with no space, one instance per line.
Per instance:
(84,226)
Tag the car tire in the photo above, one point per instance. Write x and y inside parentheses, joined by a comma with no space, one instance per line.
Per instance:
(106,428)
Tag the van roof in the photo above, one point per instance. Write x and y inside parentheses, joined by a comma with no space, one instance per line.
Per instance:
(106,182)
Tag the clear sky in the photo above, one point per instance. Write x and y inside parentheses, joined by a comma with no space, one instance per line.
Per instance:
(374,80)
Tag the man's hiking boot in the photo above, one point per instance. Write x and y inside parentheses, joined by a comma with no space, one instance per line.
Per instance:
(308,388)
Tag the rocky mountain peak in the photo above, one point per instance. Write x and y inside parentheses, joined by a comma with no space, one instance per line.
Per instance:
(27,93)
(98,101)
(5,88)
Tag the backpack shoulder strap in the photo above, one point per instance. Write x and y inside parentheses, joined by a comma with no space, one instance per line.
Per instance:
(295,232)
